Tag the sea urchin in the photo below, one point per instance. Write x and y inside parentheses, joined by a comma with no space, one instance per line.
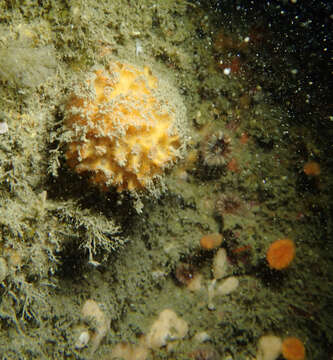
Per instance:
(216,149)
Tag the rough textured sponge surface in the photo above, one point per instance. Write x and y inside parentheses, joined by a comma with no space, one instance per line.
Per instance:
(125,131)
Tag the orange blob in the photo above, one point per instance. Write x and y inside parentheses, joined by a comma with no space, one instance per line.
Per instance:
(233,165)
(280,254)
(244,139)
(211,241)
(293,349)
(312,168)
(241,249)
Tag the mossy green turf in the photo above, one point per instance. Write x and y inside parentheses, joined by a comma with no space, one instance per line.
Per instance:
(76,243)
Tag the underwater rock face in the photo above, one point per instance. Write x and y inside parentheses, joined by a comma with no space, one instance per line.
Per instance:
(26,66)
(124,133)
(253,72)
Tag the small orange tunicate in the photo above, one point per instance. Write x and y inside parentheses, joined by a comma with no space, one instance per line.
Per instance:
(293,349)
(312,168)
(280,254)
(211,241)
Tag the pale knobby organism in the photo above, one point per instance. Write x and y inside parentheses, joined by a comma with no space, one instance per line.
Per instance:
(91,311)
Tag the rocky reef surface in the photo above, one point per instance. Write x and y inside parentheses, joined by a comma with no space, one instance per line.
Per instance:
(200,269)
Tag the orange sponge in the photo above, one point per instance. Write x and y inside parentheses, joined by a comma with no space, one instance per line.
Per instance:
(123,132)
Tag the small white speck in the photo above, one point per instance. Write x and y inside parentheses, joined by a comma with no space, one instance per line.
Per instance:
(83,340)
(227,71)
(3,127)
(138,48)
